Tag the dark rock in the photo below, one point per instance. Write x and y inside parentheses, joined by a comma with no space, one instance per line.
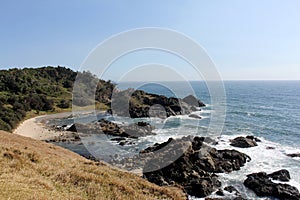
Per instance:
(220,193)
(72,128)
(143,124)
(293,155)
(200,187)
(229,160)
(194,108)
(251,137)
(269,148)
(262,185)
(195,167)
(191,100)
(118,139)
(231,189)
(243,142)
(157,146)
(139,129)
(281,175)
(234,191)
(195,116)
(126,142)
(140,103)
(239,198)
(111,128)
(76,137)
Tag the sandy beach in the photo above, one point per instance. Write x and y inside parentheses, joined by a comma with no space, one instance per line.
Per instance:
(35,127)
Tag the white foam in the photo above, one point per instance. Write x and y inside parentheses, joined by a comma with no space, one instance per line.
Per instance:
(263,159)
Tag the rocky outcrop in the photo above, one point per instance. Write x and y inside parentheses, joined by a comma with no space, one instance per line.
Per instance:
(65,136)
(262,185)
(193,101)
(111,128)
(244,142)
(234,194)
(139,129)
(195,167)
(137,104)
(281,175)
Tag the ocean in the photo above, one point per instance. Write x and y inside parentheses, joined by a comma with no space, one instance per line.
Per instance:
(269,110)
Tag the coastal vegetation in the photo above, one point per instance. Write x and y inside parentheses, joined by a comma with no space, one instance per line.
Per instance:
(33,91)
(27,92)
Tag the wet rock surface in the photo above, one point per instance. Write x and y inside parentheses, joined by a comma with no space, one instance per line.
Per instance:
(234,194)
(244,142)
(281,175)
(103,126)
(195,116)
(194,166)
(294,155)
(261,183)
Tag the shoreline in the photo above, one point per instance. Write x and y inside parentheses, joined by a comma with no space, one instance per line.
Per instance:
(35,127)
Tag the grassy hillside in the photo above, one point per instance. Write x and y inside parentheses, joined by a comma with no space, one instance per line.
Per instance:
(32,91)
(31,169)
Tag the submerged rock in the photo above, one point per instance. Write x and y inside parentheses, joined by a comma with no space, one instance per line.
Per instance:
(262,185)
(294,155)
(195,116)
(243,142)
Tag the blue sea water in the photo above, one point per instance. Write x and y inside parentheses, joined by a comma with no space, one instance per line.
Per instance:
(269,110)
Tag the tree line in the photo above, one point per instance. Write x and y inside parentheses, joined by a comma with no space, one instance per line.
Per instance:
(44,89)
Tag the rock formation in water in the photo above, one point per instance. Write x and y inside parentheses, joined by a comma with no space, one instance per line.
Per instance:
(139,104)
(244,142)
(190,163)
(261,183)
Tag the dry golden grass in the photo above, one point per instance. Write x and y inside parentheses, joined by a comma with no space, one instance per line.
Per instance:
(31,169)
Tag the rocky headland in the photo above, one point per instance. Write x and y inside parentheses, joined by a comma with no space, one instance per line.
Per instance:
(140,104)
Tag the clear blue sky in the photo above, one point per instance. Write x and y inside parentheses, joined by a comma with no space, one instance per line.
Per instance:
(254,39)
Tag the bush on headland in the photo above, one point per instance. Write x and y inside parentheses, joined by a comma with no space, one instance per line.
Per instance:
(52,89)
(42,89)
